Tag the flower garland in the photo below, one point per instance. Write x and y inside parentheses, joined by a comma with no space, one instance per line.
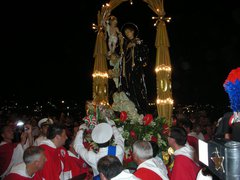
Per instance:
(130,124)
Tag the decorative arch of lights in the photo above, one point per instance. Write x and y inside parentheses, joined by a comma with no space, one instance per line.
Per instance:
(164,100)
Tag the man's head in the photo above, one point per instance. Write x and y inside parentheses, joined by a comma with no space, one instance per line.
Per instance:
(142,151)
(34,156)
(187,125)
(43,124)
(177,137)
(109,167)
(57,134)
(130,31)
(6,133)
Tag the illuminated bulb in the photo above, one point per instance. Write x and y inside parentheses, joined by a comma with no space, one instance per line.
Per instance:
(100,74)
(163,68)
(165,101)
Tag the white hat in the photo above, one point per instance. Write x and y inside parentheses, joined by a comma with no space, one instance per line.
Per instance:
(102,133)
(45,121)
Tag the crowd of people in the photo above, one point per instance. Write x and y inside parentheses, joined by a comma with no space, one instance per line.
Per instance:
(56,148)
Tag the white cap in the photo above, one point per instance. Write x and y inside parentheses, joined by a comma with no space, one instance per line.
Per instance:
(45,121)
(102,133)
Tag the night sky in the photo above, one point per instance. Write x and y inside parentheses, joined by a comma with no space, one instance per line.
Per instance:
(47,47)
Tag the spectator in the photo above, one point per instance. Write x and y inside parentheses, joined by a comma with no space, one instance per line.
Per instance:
(53,168)
(12,153)
(34,160)
(101,134)
(77,165)
(184,165)
(43,124)
(110,168)
(147,165)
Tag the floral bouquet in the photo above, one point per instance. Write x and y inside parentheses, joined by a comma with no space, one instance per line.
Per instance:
(131,125)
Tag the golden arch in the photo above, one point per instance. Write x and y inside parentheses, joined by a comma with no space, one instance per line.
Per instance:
(163,64)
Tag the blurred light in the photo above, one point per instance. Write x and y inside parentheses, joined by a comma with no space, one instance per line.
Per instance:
(163,67)
(165,101)
(100,74)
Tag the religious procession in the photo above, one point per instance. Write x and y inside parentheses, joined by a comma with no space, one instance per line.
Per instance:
(121,136)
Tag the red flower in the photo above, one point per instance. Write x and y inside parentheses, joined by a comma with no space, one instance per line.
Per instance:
(123,116)
(147,119)
(154,139)
(165,129)
(133,134)
(128,157)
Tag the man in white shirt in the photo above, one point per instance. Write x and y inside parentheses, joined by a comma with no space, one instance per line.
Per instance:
(34,160)
(43,124)
(101,134)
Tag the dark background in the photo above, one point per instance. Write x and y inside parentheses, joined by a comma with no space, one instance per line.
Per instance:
(47,48)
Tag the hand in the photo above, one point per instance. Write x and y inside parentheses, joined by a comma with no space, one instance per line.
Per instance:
(28,128)
(23,138)
(110,122)
(83,127)
(130,45)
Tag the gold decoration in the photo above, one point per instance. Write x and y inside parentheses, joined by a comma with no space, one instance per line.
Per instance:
(163,64)
(218,160)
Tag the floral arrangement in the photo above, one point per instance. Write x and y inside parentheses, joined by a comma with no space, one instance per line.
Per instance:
(131,125)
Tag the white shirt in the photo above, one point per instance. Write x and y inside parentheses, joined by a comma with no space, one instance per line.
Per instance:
(21,170)
(39,140)
(155,165)
(125,175)
(17,157)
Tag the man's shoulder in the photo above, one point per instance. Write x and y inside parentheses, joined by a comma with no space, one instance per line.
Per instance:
(13,176)
(126,174)
(144,173)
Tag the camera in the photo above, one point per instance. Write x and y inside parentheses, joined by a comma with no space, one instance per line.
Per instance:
(20,123)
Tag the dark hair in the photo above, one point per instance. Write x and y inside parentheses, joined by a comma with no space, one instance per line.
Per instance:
(110,166)
(2,129)
(179,134)
(155,148)
(54,129)
(32,154)
(68,142)
(132,27)
(187,124)
(102,145)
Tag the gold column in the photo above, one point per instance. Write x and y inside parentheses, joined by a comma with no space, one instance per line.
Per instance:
(163,63)
(100,76)
(100,71)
